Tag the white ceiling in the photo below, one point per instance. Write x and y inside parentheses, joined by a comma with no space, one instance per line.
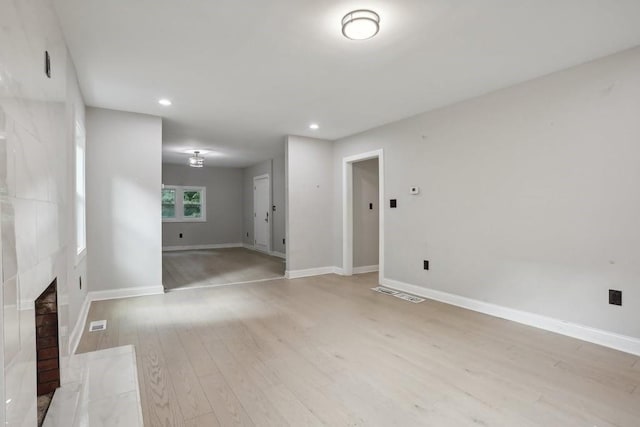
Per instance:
(242,74)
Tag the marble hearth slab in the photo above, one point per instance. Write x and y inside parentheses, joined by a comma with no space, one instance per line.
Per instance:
(104,391)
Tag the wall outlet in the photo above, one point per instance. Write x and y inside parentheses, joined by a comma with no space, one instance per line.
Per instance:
(180,235)
(615,297)
(283,242)
(425,264)
(393,203)
(370,206)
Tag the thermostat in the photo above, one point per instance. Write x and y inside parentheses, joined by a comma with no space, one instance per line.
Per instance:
(414,190)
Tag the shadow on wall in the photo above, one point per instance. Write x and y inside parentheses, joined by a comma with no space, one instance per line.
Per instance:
(127,259)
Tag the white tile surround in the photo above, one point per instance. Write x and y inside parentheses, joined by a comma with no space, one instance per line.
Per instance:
(103,391)
(36,195)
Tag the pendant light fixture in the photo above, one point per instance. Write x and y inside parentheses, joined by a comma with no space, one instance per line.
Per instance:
(196,161)
(360,24)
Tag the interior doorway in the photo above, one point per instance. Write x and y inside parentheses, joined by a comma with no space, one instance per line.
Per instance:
(221,239)
(369,206)
(366,213)
(261,213)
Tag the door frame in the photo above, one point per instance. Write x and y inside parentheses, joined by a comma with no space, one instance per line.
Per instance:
(269,210)
(347,210)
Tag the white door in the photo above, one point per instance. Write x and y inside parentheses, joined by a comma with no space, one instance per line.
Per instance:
(261,213)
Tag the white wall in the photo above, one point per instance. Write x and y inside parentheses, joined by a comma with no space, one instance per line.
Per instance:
(365,220)
(529,195)
(224,206)
(123,200)
(2,399)
(310,201)
(279,218)
(36,196)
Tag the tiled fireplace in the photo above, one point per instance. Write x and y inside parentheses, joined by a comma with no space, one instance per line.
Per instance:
(47,349)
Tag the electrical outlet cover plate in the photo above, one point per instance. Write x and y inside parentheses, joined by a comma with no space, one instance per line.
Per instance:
(615,297)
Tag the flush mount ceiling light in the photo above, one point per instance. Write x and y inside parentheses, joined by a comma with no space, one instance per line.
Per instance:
(314,126)
(196,161)
(164,102)
(360,24)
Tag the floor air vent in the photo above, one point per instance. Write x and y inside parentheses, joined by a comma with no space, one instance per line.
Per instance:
(410,298)
(401,295)
(384,290)
(98,325)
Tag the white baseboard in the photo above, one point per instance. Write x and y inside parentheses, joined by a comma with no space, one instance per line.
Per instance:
(197,247)
(295,274)
(125,293)
(597,336)
(365,269)
(76,333)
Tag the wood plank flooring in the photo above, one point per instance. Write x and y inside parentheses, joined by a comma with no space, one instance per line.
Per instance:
(328,351)
(205,267)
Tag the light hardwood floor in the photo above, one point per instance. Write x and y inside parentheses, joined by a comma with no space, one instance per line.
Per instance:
(208,267)
(328,351)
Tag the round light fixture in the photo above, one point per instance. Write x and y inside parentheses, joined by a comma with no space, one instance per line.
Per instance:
(314,126)
(360,24)
(196,161)
(164,102)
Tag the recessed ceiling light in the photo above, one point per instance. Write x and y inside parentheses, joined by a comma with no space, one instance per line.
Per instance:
(165,102)
(360,24)
(314,126)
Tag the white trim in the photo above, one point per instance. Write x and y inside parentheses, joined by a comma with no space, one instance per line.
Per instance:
(80,256)
(80,188)
(347,209)
(295,274)
(269,210)
(196,247)
(125,293)
(365,269)
(76,333)
(597,336)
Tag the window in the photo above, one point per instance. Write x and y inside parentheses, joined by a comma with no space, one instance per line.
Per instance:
(183,204)
(81,220)
(168,203)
